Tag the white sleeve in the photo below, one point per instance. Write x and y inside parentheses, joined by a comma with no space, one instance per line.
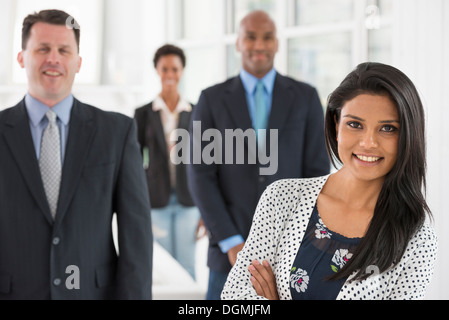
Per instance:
(416,267)
(269,221)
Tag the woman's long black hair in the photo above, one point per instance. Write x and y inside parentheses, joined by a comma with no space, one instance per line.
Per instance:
(401,207)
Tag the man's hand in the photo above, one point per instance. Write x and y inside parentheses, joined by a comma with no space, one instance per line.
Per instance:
(263,280)
(200,230)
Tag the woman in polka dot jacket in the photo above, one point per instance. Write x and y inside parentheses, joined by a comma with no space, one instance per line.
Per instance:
(361,232)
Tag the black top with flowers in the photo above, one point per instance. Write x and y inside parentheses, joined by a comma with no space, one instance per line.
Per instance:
(322,253)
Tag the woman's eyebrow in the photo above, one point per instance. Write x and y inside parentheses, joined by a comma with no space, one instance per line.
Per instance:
(389,121)
(360,119)
(353,117)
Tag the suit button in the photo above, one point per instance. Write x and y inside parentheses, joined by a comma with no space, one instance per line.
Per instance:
(56,281)
(262,179)
(56,241)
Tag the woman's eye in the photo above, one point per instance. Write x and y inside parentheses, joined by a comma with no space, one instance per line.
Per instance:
(354,124)
(389,128)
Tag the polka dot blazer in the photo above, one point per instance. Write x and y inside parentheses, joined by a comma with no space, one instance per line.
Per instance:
(279,224)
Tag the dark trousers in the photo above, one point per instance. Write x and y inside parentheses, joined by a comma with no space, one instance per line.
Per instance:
(217,281)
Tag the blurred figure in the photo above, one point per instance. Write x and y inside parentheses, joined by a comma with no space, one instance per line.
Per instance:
(260,99)
(65,169)
(175,218)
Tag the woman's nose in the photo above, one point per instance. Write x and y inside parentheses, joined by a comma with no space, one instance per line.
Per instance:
(369,140)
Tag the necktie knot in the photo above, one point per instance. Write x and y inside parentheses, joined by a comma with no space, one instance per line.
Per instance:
(51,116)
(259,87)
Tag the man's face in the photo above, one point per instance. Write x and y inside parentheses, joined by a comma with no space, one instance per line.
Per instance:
(51,61)
(258,44)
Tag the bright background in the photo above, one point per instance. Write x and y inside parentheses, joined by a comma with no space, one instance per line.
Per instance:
(320,42)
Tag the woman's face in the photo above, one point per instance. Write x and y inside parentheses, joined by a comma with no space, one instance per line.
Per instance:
(368,135)
(169,69)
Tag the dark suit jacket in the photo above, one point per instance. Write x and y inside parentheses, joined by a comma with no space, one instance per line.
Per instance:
(151,135)
(227,194)
(102,174)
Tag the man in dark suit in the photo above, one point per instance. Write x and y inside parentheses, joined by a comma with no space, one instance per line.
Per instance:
(227,193)
(56,235)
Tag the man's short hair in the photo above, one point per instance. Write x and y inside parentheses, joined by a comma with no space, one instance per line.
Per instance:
(56,17)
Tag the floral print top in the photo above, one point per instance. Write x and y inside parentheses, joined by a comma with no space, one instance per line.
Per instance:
(322,253)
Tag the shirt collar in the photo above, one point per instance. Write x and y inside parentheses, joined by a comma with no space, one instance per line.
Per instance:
(249,81)
(159,104)
(37,110)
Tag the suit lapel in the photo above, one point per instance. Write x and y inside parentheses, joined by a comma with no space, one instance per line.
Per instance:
(184,120)
(21,145)
(81,132)
(282,104)
(154,119)
(235,101)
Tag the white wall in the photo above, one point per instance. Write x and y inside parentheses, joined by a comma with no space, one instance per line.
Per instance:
(421,50)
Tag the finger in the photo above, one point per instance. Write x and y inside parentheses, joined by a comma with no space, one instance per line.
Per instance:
(269,282)
(265,279)
(264,270)
(255,277)
(273,286)
(269,270)
(257,286)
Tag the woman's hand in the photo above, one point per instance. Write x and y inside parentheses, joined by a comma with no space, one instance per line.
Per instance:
(263,280)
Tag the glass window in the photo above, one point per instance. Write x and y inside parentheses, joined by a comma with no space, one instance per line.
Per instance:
(377,15)
(202,71)
(6,40)
(379,45)
(322,11)
(233,59)
(385,7)
(240,8)
(321,60)
(199,19)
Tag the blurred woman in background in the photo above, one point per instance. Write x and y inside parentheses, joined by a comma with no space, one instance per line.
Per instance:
(174,216)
